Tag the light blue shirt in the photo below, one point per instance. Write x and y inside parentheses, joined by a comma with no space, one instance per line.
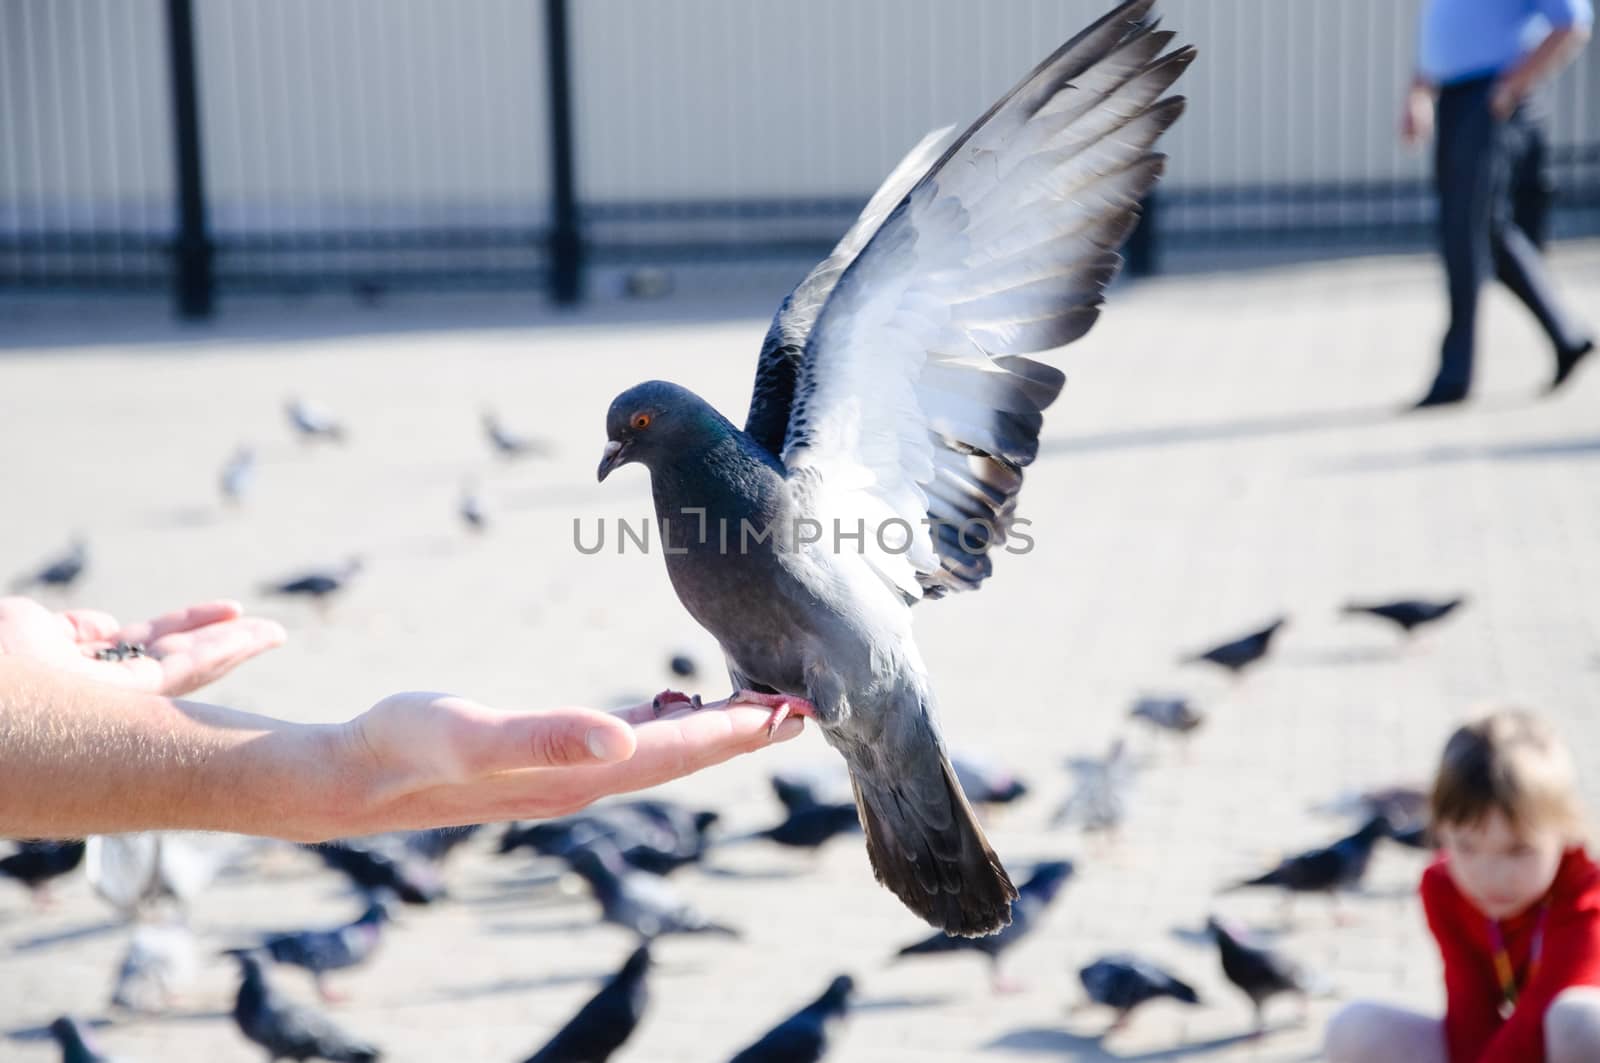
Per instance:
(1463,39)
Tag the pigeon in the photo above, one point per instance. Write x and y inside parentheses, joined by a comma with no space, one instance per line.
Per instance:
(1099,801)
(437,843)
(312,422)
(609,1018)
(654,836)
(803,1037)
(161,959)
(893,411)
(1339,866)
(59,573)
(1260,972)
(637,900)
(986,784)
(796,790)
(238,476)
(471,510)
(137,873)
(812,826)
(286,1029)
(320,585)
(1124,982)
(1034,897)
(36,863)
(1241,653)
(1408,615)
(373,870)
(321,951)
(682,666)
(506,443)
(75,1043)
(1168,714)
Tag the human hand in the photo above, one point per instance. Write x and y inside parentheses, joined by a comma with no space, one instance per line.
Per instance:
(426,760)
(1505,97)
(183,650)
(1416,116)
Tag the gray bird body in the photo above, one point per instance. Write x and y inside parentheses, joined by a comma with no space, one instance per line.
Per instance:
(289,1030)
(804,1037)
(892,391)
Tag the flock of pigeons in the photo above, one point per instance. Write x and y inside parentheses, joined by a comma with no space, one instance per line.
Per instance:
(312,424)
(627,853)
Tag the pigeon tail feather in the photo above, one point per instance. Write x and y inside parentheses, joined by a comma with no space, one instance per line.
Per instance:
(923,839)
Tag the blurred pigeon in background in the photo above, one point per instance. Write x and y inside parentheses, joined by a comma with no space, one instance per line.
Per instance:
(638,900)
(335,949)
(1239,654)
(804,1037)
(75,1043)
(238,476)
(473,513)
(286,1029)
(986,783)
(36,863)
(1174,715)
(1099,800)
(312,422)
(372,870)
(1339,866)
(320,585)
(161,959)
(1408,615)
(971,256)
(609,1018)
(136,873)
(813,826)
(1124,982)
(509,444)
(1259,971)
(1033,897)
(59,573)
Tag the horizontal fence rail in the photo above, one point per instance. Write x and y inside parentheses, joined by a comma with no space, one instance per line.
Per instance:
(231,145)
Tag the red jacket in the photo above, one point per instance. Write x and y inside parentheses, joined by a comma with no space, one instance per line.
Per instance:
(1473,1028)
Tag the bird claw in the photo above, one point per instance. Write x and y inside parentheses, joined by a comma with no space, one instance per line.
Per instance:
(660,702)
(782,705)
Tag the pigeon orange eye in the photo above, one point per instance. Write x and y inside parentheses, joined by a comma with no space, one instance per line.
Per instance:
(641,421)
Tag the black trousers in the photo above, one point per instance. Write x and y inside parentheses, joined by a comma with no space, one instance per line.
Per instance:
(1494,200)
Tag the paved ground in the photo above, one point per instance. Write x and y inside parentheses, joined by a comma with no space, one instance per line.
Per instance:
(1225,449)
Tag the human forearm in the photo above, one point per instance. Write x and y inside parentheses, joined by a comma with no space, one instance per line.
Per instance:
(80,757)
(1545,61)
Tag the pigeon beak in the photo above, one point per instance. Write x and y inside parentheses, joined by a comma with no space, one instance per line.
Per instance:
(610,459)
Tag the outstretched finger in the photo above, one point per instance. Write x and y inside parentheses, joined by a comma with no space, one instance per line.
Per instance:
(90,625)
(676,745)
(186,619)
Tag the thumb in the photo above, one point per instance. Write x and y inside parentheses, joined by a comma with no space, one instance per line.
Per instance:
(567,737)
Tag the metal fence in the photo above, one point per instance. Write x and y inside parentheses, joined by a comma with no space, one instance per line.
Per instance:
(237,145)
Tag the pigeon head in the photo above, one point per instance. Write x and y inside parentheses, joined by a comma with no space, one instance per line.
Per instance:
(655,421)
(249,963)
(66,1031)
(1379,826)
(704,821)
(840,988)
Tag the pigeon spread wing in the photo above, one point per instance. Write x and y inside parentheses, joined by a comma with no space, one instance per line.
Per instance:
(911,399)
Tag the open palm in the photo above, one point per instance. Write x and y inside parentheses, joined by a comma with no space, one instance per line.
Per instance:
(182,650)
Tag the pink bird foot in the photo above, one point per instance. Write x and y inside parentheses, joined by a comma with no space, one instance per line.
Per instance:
(782,705)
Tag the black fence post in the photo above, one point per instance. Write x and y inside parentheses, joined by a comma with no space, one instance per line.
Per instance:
(193,247)
(566,243)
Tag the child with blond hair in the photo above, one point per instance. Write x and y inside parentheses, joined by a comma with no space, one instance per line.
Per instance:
(1513,902)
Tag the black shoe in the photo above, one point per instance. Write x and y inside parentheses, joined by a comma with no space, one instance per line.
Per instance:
(1567,361)
(1441,395)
